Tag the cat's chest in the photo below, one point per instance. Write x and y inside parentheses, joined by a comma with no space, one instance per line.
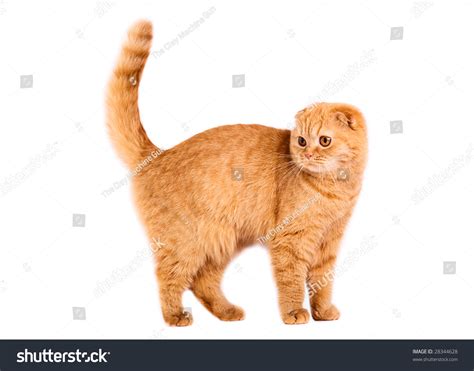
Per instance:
(326,209)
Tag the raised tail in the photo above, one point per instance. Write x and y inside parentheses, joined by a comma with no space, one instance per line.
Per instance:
(123,117)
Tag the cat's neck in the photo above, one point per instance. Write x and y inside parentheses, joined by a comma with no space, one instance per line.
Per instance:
(345,180)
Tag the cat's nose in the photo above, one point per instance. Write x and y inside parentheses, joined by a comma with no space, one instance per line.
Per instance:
(308,155)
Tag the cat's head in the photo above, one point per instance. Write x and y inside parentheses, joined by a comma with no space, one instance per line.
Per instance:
(328,137)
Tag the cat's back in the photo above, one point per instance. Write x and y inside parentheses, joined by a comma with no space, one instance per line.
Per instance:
(218,148)
(233,140)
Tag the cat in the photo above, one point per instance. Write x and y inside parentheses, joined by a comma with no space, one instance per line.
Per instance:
(232,186)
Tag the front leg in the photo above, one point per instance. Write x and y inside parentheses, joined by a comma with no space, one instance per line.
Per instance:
(321,275)
(320,282)
(290,270)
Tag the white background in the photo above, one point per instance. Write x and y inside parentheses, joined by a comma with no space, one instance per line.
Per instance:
(56,159)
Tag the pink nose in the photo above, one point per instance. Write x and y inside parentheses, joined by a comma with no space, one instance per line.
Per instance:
(308,155)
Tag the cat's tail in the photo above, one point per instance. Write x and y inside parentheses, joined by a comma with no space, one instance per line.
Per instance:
(123,118)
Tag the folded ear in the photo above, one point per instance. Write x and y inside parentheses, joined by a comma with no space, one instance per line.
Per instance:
(349,116)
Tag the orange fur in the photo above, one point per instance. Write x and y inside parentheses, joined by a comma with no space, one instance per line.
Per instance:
(229,187)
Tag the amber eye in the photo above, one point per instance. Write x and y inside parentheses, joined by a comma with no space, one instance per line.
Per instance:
(302,141)
(325,141)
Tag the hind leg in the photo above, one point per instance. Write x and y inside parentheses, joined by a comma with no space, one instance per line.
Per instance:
(174,277)
(171,292)
(207,288)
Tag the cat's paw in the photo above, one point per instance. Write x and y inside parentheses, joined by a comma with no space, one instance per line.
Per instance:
(231,313)
(180,320)
(296,317)
(329,314)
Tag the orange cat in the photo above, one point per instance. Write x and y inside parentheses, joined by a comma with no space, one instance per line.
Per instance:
(205,199)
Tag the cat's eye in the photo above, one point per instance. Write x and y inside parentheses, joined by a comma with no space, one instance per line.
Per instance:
(302,141)
(325,141)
